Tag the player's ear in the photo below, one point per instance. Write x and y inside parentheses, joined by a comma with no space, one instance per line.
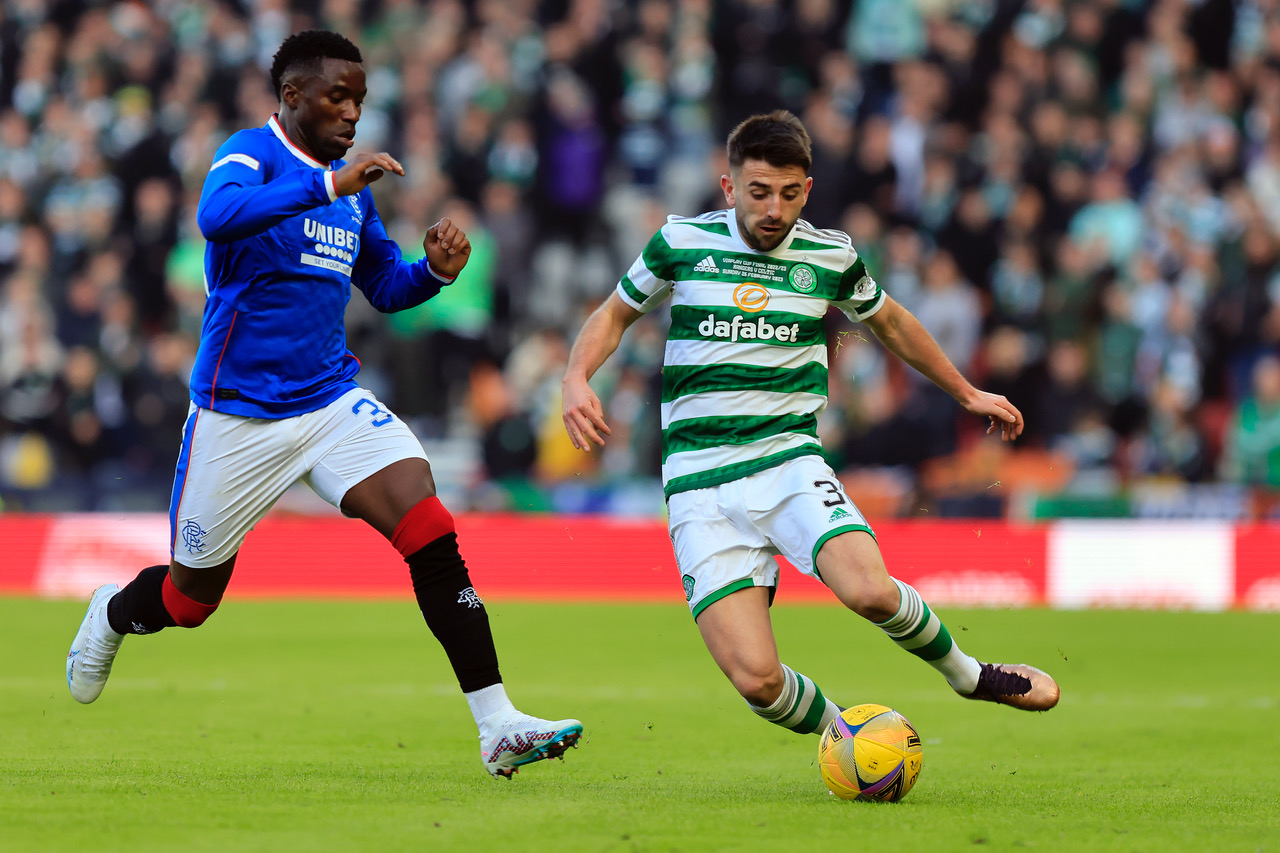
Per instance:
(726,184)
(808,185)
(289,94)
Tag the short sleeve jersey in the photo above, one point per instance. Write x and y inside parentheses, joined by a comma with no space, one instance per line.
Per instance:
(745,371)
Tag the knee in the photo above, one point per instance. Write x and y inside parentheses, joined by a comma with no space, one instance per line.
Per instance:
(851,566)
(427,522)
(193,618)
(876,599)
(759,685)
(186,611)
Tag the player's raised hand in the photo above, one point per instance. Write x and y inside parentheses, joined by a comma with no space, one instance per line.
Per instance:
(583,415)
(447,248)
(364,169)
(1002,413)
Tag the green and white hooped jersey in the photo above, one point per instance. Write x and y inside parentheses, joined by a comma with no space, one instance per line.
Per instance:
(745,373)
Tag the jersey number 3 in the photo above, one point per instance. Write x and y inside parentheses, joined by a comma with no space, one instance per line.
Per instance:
(828,486)
(380,418)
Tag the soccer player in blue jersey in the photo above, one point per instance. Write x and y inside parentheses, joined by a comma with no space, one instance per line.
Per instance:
(291,225)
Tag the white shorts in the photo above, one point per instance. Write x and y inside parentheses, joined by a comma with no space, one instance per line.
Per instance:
(726,537)
(233,469)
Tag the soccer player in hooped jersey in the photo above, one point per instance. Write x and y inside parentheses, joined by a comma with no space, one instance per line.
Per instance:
(290,227)
(743,382)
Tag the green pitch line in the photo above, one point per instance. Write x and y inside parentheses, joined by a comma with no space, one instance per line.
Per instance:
(337,726)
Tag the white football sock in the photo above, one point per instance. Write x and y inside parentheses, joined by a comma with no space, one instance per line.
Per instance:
(490,707)
(918,629)
(801,706)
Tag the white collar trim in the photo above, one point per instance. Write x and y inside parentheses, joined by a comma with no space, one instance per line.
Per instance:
(274,124)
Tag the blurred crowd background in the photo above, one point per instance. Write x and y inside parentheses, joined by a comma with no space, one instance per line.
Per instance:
(1080,199)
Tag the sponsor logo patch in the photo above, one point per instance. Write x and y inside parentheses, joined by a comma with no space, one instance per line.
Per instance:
(335,248)
(740,328)
(750,297)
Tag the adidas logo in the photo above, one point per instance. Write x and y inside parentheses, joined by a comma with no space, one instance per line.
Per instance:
(839,513)
(707,264)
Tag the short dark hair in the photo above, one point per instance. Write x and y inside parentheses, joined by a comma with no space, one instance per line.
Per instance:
(304,52)
(778,138)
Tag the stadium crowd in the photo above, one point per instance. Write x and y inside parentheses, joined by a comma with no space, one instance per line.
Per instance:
(1080,199)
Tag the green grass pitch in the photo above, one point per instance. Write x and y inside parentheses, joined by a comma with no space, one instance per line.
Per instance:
(337,726)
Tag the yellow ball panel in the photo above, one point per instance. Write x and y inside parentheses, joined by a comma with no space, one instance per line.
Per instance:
(859,714)
(874,760)
(838,780)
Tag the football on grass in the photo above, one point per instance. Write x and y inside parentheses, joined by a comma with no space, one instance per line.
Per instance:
(870,752)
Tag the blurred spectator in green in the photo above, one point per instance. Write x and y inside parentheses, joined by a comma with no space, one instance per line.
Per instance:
(1170,445)
(1118,339)
(1111,223)
(1252,448)
(437,342)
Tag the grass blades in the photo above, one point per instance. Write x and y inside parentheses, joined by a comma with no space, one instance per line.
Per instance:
(337,726)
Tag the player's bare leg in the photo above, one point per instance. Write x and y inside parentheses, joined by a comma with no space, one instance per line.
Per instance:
(400,503)
(852,566)
(205,586)
(738,633)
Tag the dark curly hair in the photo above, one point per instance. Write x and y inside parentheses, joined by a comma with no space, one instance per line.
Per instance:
(304,51)
(778,138)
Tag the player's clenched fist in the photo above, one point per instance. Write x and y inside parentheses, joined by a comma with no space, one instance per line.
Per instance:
(447,248)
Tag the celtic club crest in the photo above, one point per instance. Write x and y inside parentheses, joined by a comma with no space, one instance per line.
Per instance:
(802,278)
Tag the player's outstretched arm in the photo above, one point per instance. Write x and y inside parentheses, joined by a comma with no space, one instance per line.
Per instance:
(904,336)
(583,415)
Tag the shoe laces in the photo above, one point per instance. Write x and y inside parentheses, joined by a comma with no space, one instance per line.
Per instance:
(1001,682)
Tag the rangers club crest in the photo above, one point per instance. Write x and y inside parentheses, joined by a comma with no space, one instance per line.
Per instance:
(193,537)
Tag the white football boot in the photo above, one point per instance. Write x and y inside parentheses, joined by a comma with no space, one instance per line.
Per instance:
(523,740)
(94,648)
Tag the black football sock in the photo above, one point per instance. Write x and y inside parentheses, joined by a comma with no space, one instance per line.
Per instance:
(139,607)
(454,613)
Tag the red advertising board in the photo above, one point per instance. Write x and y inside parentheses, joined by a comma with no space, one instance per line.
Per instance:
(1257,580)
(515,556)
(959,563)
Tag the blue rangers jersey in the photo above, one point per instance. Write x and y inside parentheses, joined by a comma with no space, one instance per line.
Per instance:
(283,251)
